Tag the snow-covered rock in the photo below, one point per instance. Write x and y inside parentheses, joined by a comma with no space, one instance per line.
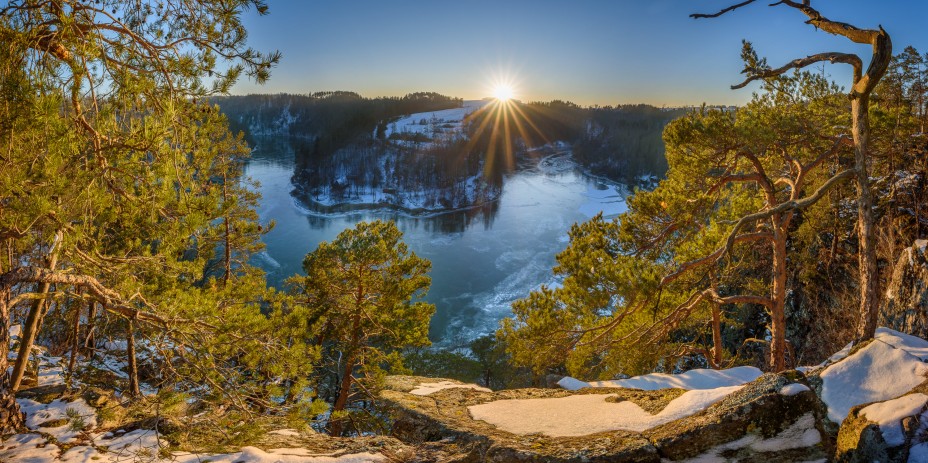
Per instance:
(613,424)
(692,379)
(889,366)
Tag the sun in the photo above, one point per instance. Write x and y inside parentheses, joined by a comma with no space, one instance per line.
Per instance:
(502,93)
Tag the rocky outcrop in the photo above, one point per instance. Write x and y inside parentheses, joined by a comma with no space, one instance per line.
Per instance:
(773,419)
(885,431)
(906,305)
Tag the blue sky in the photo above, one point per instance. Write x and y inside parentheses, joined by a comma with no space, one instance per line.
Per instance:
(586,51)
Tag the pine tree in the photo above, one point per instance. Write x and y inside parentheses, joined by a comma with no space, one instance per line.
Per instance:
(363,289)
(103,186)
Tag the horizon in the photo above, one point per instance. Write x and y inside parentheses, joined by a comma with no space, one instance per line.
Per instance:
(596,53)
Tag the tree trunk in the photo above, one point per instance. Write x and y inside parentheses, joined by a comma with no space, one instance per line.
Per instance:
(716,328)
(227,254)
(31,326)
(11,418)
(869,277)
(337,426)
(134,390)
(778,310)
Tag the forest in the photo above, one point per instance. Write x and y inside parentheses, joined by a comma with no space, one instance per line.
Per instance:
(345,157)
(128,226)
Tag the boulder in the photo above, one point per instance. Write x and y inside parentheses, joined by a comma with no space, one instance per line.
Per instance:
(772,419)
(884,431)
(906,305)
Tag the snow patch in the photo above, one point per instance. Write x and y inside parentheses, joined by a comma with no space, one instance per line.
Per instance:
(793,389)
(572,384)
(580,415)
(889,415)
(430,388)
(800,434)
(77,416)
(27,448)
(891,365)
(694,379)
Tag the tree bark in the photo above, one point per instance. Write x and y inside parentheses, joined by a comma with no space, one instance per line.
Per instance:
(869,277)
(778,293)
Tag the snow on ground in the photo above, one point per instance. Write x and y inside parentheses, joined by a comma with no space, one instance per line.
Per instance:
(800,434)
(693,379)
(889,415)
(891,365)
(429,388)
(143,446)
(580,415)
(27,448)
(435,120)
(60,419)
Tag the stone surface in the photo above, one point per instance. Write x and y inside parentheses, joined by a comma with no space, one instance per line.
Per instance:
(757,409)
(906,305)
(756,412)
(861,439)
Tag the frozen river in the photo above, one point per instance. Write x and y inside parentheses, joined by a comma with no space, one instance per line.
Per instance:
(482,259)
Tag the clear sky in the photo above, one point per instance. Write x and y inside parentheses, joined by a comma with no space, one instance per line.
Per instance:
(602,52)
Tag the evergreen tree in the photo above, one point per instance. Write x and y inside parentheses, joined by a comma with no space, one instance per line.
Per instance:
(105,184)
(363,289)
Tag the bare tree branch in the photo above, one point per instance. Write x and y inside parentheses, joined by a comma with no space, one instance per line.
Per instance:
(721,12)
(833,57)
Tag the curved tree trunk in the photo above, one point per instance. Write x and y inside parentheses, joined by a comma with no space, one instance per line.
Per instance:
(336,427)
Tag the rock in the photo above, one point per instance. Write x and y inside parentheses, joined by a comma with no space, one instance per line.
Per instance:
(755,423)
(746,426)
(44,394)
(883,431)
(96,397)
(906,305)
